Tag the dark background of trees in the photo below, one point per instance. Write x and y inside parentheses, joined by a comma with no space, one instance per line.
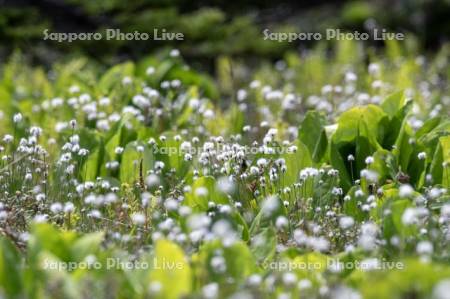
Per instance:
(211,28)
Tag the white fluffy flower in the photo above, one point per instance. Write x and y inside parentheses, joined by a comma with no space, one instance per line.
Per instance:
(424,248)
(17,118)
(405,190)
(346,222)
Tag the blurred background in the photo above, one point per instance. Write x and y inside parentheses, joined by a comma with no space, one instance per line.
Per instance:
(211,28)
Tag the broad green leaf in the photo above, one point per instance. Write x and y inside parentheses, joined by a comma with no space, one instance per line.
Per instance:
(308,265)
(351,206)
(312,134)
(204,190)
(190,77)
(172,270)
(10,270)
(170,153)
(115,75)
(429,125)
(45,237)
(393,103)
(238,258)
(86,244)
(359,133)
(236,118)
(91,168)
(349,124)
(440,166)
(396,126)
(134,164)
(263,245)
(392,224)
(409,275)
(295,162)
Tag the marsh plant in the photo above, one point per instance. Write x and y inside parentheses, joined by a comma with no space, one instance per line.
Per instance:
(316,177)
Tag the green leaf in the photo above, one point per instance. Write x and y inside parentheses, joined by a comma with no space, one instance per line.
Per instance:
(45,237)
(204,190)
(429,125)
(312,134)
(359,133)
(440,166)
(403,149)
(10,270)
(91,168)
(350,122)
(295,162)
(236,119)
(190,77)
(396,126)
(86,244)
(393,103)
(134,163)
(264,244)
(172,270)
(393,223)
(413,277)
(351,207)
(238,258)
(170,153)
(115,75)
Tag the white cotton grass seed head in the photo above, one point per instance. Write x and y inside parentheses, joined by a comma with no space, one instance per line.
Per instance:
(344,292)
(304,284)
(370,175)
(56,207)
(281,222)
(118,150)
(300,237)
(225,185)
(409,216)
(201,192)
(445,211)
(218,264)
(184,211)
(369,160)
(171,204)
(17,118)
(40,197)
(270,205)
(422,156)
(40,218)
(254,280)
(155,287)
(319,244)
(223,230)
(211,290)
(127,80)
(159,165)
(150,71)
(424,248)
(138,218)
(441,289)
(369,228)
(174,53)
(289,279)
(69,207)
(152,180)
(346,222)
(405,190)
